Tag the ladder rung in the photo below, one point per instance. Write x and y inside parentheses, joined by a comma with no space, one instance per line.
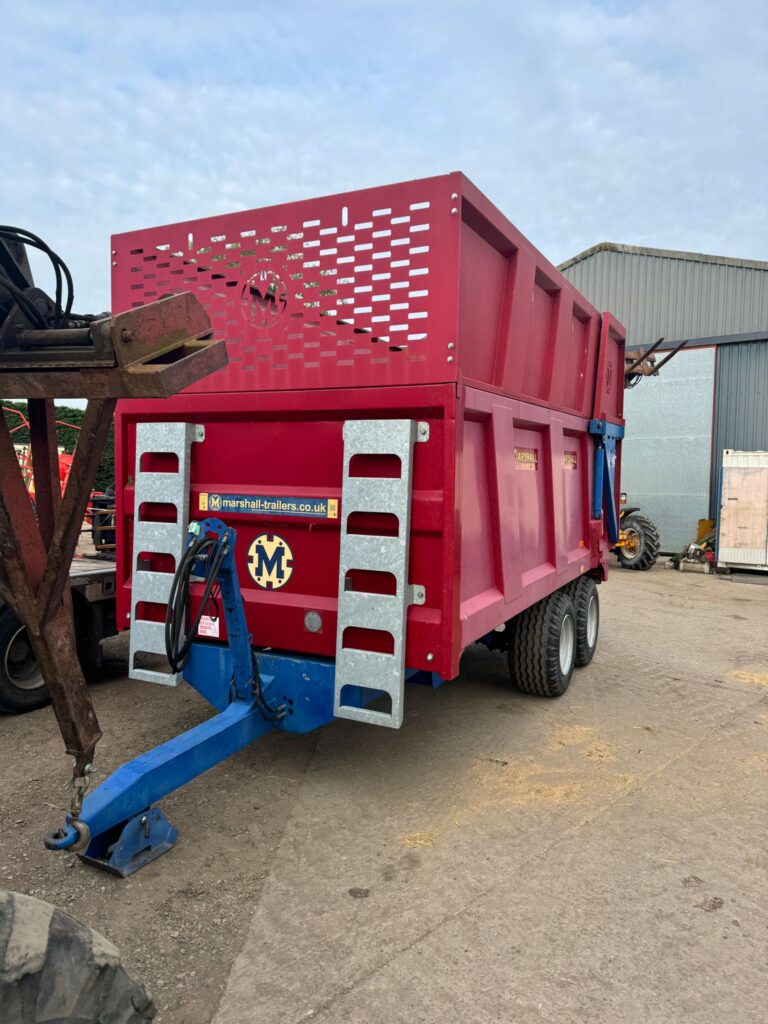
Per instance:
(383,554)
(373,611)
(157,538)
(366,494)
(153,586)
(163,487)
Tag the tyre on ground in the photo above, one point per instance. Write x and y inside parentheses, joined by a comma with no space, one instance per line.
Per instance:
(644,543)
(53,968)
(542,646)
(587,604)
(21,681)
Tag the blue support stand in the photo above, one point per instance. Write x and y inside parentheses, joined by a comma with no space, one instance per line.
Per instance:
(144,838)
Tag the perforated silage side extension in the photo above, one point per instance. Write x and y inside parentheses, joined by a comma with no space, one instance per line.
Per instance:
(348,290)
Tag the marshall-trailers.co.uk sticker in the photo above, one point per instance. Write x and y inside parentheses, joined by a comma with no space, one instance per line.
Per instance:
(269,504)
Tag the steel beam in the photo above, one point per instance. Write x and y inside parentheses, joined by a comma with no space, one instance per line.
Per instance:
(85,465)
(45,465)
(25,564)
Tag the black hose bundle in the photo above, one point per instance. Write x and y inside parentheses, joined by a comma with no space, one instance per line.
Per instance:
(63,313)
(179,636)
(28,299)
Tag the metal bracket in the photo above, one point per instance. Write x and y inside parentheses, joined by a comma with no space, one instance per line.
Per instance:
(143,839)
(605,436)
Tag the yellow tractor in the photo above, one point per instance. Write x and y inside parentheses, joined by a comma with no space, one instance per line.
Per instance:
(639,541)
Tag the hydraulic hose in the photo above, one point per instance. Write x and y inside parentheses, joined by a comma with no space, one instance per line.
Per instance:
(179,633)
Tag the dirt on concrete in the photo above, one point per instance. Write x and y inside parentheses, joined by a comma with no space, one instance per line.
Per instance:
(500,858)
(180,922)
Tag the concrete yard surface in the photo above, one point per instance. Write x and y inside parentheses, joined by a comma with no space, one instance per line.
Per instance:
(598,858)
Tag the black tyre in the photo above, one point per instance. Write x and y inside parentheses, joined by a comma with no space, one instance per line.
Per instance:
(52,968)
(542,648)
(587,604)
(644,543)
(21,682)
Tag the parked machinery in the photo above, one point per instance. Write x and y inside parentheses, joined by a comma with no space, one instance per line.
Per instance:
(47,351)
(639,542)
(413,448)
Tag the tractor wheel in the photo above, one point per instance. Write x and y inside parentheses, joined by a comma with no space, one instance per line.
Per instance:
(643,545)
(21,682)
(52,968)
(587,604)
(542,648)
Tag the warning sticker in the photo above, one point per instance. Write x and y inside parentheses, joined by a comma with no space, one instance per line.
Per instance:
(571,460)
(208,626)
(269,504)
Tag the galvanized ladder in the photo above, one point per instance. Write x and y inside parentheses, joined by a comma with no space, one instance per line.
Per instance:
(385,612)
(148,637)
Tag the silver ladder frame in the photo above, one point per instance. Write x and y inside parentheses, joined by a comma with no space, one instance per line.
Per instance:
(370,669)
(148,637)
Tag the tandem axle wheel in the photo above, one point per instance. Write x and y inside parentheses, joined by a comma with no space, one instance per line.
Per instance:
(551,638)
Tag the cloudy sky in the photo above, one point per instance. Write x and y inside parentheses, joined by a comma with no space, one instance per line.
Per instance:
(636,122)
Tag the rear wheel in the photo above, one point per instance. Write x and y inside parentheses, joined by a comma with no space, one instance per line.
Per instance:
(641,543)
(21,682)
(542,648)
(587,604)
(52,968)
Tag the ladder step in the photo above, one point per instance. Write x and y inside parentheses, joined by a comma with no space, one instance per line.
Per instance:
(369,669)
(154,586)
(373,611)
(380,437)
(382,554)
(156,538)
(148,637)
(369,494)
(160,487)
(363,666)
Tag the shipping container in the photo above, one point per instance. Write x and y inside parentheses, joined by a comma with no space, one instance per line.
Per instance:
(742,534)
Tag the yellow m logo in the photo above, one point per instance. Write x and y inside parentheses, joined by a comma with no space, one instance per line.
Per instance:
(270,561)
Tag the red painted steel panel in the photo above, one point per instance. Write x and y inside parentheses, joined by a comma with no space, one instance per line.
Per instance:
(420,282)
(609,377)
(524,493)
(279,444)
(418,300)
(362,284)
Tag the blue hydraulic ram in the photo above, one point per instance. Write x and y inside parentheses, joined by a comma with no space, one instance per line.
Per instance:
(118,828)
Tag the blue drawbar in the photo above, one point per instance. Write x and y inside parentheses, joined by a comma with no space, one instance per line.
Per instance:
(254,692)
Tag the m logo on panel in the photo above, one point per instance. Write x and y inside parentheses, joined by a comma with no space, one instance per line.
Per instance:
(270,561)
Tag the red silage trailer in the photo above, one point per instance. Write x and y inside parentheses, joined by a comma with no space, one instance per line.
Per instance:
(416,438)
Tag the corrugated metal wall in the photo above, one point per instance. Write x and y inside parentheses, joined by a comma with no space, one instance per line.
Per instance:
(663,296)
(666,455)
(741,404)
